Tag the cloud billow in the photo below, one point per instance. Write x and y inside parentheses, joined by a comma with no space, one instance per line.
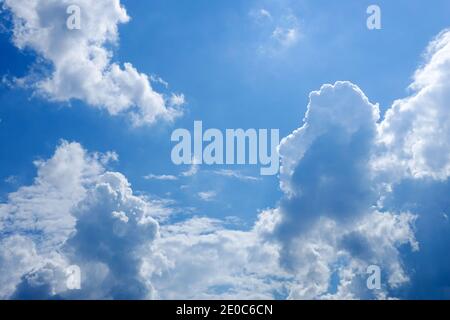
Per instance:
(80,214)
(81,65)
(357,189)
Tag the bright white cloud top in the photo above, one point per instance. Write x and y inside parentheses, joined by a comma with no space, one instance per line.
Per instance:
(416,128)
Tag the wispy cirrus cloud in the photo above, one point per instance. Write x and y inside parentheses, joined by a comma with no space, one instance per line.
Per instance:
(236,174)
(207,195)
(279,30)
(162,177)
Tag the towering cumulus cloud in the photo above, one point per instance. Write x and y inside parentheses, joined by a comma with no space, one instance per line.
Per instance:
(80,62)
(357,189)
(330,225)
(76,213)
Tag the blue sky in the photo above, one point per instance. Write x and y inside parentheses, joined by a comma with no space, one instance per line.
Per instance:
(209,52)
(225,58)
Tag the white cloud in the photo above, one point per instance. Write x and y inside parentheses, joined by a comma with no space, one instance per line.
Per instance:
(37,218)
(193,170)
(114,230)
(328,220)
(207,195)
(286,37)
(340,166)
(261,14)
(76,212)
(280,29)
(415,130)
(204,260)
(201,259)
(177,100)
(112,235)
(342,107)
(17,254)
(11,180)
(236,175)
(264,13)
(82,66)
(163,177)
(157,79)
(44,207)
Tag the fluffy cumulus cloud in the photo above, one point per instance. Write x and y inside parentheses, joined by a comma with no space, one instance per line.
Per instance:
(329,226)
(202,258)
(44,207)
(76,213)
(416,129)
(414,136)
(341,118)
(330,261)
(80,62)
(17,256)
(361,191)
